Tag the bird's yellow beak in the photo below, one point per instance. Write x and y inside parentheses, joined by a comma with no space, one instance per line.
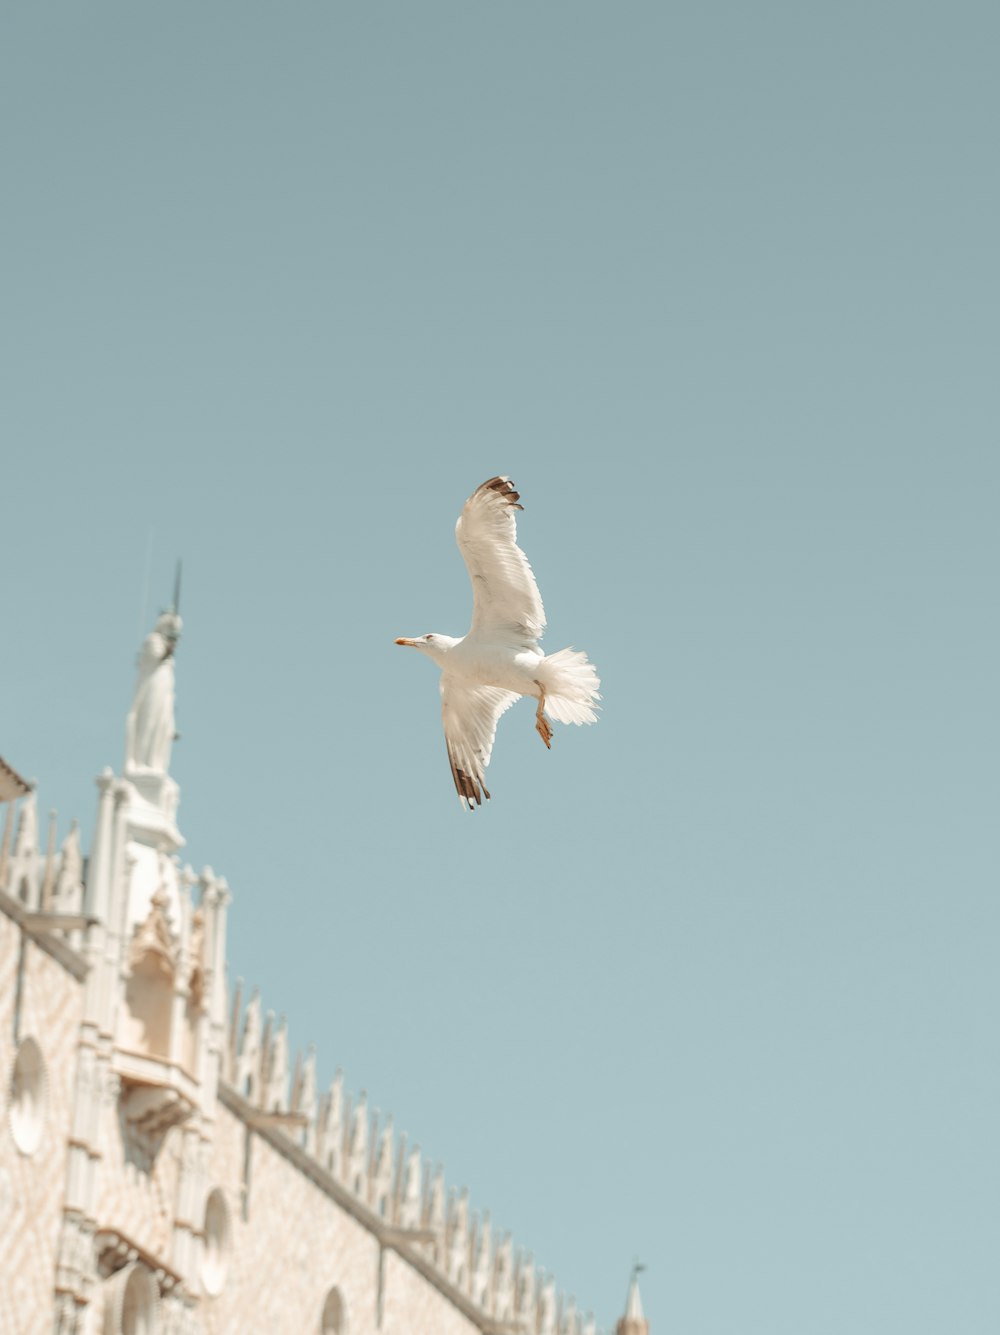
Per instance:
(406,641)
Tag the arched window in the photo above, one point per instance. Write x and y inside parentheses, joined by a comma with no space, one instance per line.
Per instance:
(334,1319)
(29,1097)
(132,1302)
(218,1237)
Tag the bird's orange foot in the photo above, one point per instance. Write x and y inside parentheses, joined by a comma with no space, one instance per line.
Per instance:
(544,729)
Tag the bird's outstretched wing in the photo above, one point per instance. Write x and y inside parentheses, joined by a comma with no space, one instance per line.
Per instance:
(505,597)
(469,715)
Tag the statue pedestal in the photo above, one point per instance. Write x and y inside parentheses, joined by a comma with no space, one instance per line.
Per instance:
(152,808)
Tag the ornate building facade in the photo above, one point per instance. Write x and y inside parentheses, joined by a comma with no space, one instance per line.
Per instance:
(166,1167)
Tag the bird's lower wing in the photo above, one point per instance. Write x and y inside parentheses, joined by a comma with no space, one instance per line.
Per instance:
(470,716)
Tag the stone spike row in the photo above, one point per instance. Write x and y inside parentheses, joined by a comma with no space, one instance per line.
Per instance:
(43,882)
(389,1176)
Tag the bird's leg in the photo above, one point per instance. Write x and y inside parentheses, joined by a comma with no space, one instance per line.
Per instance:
(542,726)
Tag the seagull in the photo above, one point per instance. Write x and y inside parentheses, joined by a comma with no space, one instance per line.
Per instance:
(483,673)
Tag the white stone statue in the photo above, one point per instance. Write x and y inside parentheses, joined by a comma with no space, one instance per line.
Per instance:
(150,730)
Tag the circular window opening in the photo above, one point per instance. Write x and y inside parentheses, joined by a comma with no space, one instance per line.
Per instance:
(334,1320)
(133,1300)
(29,1093)
(217,1240)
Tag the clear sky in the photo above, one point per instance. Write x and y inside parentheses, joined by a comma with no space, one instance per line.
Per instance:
(714,983)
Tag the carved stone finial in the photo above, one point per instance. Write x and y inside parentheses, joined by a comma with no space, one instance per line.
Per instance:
(547,1308)
(49,877)
(503,1280)
(67,894)
(434,1215)
(481,1264)
(305,1098)
(410,1205)
(569,1323)
(525,1287)
(23,868)
(457,1258)
(356,1169)
(249,1058)
(381,1178)
(330,1137)
(275,1096)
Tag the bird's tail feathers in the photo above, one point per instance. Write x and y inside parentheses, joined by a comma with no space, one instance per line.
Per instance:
(571,687)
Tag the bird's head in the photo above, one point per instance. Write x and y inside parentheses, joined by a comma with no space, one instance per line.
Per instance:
(434,646)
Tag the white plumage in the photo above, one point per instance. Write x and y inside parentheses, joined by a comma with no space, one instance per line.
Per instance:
(499,659)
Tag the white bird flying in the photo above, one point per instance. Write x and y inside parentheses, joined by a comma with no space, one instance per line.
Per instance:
(499,659)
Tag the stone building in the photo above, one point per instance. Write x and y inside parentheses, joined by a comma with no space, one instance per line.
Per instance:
(166,1168)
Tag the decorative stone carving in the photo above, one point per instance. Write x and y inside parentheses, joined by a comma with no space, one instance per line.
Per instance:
(177,1316)
(76,1263)
(153,942)
(29,1096)
(196,952)
(148,1113)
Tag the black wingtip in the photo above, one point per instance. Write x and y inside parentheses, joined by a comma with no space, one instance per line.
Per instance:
(472,792)
(504,488)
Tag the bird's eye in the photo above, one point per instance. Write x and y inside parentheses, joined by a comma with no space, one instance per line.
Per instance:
(428,637)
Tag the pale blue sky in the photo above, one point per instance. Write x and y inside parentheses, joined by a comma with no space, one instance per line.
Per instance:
(713,983)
